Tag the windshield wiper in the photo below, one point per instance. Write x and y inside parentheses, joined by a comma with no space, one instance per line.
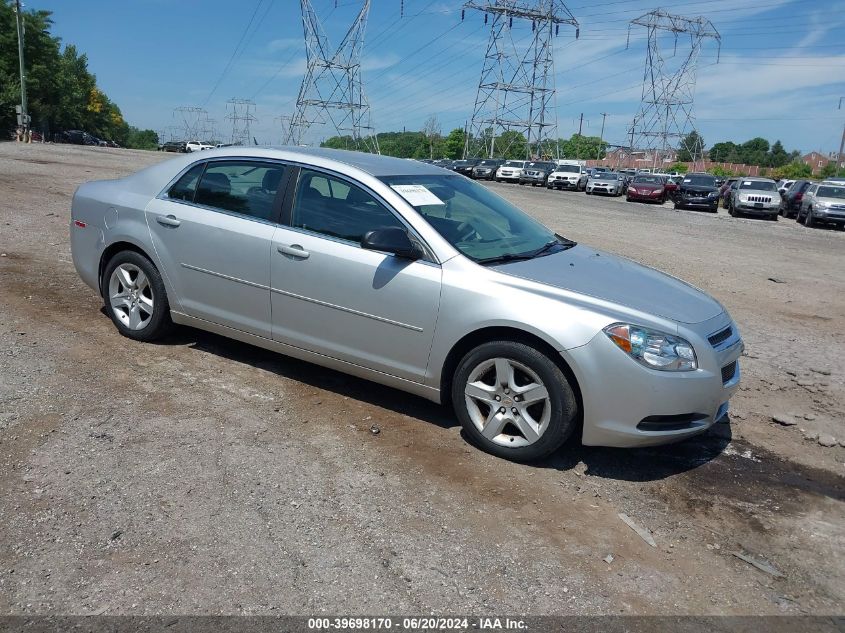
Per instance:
(508,257)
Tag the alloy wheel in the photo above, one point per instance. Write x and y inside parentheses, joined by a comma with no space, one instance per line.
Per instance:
(507,402)
(131,296)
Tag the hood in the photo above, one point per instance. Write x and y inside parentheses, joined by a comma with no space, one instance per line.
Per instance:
(616,279)
(604,181)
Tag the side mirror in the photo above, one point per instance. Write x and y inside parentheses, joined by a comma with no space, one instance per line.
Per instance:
(393,240)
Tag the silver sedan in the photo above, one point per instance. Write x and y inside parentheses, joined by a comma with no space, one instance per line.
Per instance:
(415,277)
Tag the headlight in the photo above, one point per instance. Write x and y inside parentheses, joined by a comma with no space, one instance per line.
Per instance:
(713,194)
(655,350)
(658,190)
(822,205)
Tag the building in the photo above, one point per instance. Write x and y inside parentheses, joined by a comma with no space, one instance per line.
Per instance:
(815,160)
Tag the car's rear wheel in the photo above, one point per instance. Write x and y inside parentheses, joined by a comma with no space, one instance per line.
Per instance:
(135,297)
(513,401)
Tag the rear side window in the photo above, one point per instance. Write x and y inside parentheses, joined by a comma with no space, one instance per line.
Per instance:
(241,186)
(186,186)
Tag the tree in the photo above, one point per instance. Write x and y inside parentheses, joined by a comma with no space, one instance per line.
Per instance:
(722,152)
(691,148)
(510,144)
(62,93)
(679,167)
(778,156)
(431,129)
(586,147)
(792,171)
(454,144)
(830,171)
(141,139)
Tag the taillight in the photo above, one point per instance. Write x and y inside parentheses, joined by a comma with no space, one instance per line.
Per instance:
(799,195)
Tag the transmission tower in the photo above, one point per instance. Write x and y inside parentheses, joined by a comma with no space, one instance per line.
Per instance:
(239,112)
(516,93)
(665,117)
(191,118)
(332,92)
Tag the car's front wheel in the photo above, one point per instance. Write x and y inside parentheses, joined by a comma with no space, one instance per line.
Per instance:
(135,297)
(513,401)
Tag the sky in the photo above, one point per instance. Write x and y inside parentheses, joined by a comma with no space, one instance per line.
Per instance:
(780,71)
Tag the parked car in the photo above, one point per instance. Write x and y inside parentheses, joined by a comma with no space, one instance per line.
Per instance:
(607,182)
(823,203)
(197,146)
(536,173)
(473,302)
(568,175)
(725,190)
(173,146)
(465,166)
(510,171)
(697,191)
(784,185)
(647,188)
(791,200)
(78,137)
(486,169)
(755,196)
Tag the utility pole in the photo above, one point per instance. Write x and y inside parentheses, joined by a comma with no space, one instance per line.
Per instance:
(516,90)
(601,136)
(839,164)
(668,94)
(578,146)
(24,121)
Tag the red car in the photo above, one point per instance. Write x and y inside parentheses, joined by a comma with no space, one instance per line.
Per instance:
(647,188)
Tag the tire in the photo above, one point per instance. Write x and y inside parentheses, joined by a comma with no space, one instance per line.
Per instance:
(677,207)
(138,311)
(809,221)
(588,192)
(552,419)
(731,211)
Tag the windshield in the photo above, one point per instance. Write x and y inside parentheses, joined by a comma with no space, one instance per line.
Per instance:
(473,219)
(514,163)
(606,176)
(701,181)
(831,192)
(759,185)
(488,163)
(648,178)
(574,169)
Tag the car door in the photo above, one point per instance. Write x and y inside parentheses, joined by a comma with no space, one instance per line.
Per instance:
(335,298)
(213,232)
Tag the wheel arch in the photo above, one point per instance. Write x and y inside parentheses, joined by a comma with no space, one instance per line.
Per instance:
(503,333)
(113,249)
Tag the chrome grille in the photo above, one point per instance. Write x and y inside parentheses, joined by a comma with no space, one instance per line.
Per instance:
(759,198)
(718,337)
(728,372)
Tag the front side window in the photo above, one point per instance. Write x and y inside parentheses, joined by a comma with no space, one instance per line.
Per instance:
(333,207)
(241,186)
(186,186)
(477,222)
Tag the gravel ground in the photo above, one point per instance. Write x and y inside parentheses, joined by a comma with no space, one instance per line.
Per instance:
(204,476)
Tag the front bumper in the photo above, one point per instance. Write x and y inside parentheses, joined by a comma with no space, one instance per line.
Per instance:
(829,215)
(534,180)
(626,404)
(751,208)
(509,175)
(563,183)
(698,202)
(636,194)
(608,189)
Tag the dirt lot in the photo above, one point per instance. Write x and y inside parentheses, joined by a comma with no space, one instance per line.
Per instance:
(201,475)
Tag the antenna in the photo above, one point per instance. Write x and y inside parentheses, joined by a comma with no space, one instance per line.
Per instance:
(516,91)
(332,92)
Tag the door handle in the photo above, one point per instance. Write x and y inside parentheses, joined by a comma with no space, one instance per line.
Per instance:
(294,250)
(168,220)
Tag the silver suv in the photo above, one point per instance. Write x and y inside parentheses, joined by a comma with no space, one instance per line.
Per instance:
(823,202)
(755,196)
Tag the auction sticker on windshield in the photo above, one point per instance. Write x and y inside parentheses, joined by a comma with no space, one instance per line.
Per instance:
(416,195)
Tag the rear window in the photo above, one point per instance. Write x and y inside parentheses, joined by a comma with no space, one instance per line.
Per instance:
(700,181)
(186,186)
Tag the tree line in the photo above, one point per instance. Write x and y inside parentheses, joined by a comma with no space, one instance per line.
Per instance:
(62,94)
